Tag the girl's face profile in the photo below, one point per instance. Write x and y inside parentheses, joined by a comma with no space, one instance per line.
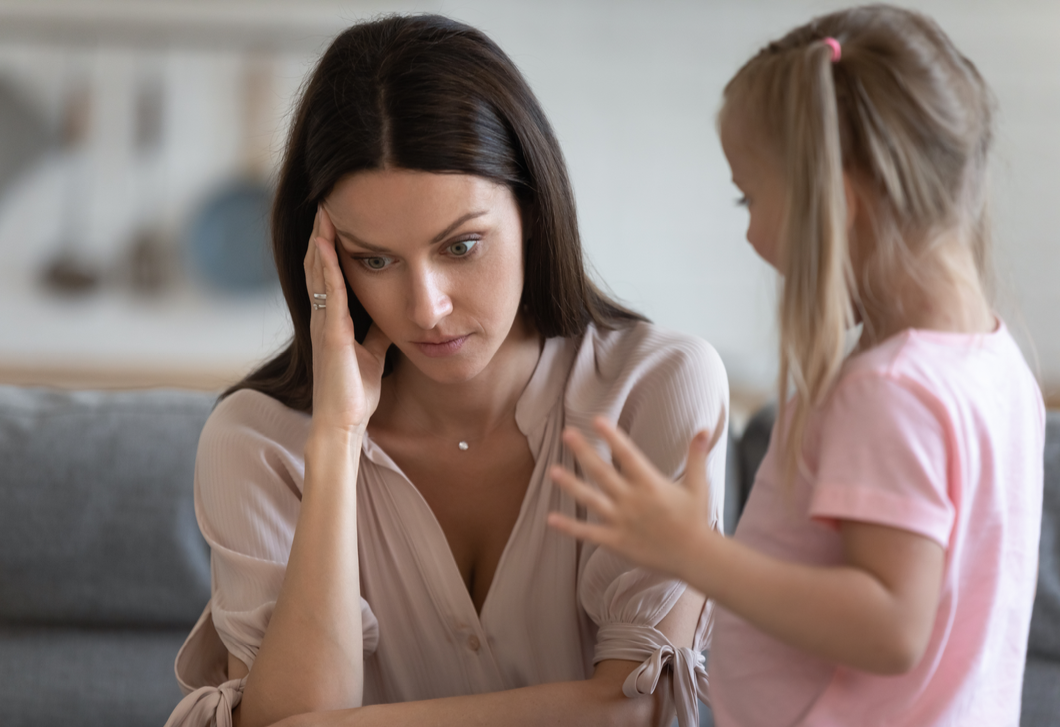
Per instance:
(437,262)
(757,173)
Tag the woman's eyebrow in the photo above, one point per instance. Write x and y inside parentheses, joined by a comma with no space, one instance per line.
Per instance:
(359,243)
(438,238)
(459,221)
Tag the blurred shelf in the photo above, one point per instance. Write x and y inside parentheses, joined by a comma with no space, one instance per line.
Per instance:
(218,24)
(48,375)
(188,337)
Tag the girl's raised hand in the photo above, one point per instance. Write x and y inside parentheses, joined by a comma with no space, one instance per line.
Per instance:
(642,515)
(346,374)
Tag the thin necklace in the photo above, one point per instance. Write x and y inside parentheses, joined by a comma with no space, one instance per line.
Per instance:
(465,444)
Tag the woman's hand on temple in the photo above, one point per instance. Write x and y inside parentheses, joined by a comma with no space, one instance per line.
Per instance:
(642,514)
(346,374)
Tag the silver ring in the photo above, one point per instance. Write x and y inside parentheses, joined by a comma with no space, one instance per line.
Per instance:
(318,306)
(320,296)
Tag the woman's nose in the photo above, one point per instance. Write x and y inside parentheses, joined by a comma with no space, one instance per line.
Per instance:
(428,301)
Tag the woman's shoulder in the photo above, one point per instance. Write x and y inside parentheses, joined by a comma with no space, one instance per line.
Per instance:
(248,419)
(659,386)
(250,461)
(646,351)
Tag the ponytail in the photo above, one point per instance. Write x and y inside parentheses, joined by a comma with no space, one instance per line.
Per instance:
(880,95)
(815,309)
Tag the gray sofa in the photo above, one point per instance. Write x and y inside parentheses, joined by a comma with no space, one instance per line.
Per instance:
(103,570)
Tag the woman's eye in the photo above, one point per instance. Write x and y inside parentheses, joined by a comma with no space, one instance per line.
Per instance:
(462,248)
(375,263)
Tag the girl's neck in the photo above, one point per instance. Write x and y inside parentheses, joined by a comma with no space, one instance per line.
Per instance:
(413,403)
(944,293)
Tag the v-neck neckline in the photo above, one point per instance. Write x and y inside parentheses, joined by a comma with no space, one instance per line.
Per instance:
(537,400)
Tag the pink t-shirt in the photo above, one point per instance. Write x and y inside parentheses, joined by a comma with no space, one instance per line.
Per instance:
(939,434)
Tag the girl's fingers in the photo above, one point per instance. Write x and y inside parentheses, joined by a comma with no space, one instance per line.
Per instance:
(604,473)
(699,449)
(719,427)
(636,467)
(696,467)
(592,532)
(584,493)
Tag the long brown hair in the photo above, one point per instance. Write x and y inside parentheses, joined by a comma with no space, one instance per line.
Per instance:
(426,93)
(906,115)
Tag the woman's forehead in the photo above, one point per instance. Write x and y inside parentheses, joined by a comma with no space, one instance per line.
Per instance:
(373,206)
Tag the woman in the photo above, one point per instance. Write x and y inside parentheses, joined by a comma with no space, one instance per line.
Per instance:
(376,509)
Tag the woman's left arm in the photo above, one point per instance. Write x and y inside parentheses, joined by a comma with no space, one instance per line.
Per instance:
(598,700)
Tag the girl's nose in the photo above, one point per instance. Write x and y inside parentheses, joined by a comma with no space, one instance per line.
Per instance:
(428,301)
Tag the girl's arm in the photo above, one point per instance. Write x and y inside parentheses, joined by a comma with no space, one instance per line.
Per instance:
(874,612)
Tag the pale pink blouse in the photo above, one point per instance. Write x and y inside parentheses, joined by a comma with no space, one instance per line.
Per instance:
(555,607)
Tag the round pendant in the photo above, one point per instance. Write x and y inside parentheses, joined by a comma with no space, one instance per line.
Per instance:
(463,446)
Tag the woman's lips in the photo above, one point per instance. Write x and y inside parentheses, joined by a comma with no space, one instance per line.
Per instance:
(444,348)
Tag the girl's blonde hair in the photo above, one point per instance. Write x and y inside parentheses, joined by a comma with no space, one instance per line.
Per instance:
(907,117)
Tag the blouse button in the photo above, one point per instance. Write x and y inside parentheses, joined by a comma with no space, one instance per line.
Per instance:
(473,643)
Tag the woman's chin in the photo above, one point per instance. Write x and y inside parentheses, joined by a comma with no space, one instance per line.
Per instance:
(458,367)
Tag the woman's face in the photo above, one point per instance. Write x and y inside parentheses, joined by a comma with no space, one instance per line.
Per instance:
(437,262)
(757,172)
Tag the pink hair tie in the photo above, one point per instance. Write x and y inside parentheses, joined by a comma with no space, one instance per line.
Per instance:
(837,51)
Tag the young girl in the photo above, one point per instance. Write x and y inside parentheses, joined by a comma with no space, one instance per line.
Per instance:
(884,568)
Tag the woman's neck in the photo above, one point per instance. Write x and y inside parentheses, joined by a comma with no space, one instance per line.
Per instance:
(415,403)
(944,293)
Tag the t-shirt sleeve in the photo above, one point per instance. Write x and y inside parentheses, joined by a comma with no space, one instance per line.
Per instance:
(670,391)
(884,458)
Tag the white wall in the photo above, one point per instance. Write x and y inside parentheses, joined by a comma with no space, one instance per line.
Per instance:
(632,89)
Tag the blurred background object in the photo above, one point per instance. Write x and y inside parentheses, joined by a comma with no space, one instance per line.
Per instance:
(24,132)
(153,130)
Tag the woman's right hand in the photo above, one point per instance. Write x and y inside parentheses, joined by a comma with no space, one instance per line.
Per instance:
(346,375)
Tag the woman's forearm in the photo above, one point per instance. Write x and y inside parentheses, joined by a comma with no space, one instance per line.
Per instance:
(311,657)
(595,701)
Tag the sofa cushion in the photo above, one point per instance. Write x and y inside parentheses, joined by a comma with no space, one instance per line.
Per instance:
(1045,622)
(87,677)
(97,523)
(1041,694)
(752,448)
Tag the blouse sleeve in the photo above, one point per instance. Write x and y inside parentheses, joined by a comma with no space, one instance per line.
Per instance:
(248,487)
(662,389)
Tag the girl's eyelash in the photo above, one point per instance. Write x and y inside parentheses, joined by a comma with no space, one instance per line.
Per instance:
(741,201)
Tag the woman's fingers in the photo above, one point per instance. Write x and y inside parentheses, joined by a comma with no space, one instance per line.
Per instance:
(314,273)
(583,492)
(376,342)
